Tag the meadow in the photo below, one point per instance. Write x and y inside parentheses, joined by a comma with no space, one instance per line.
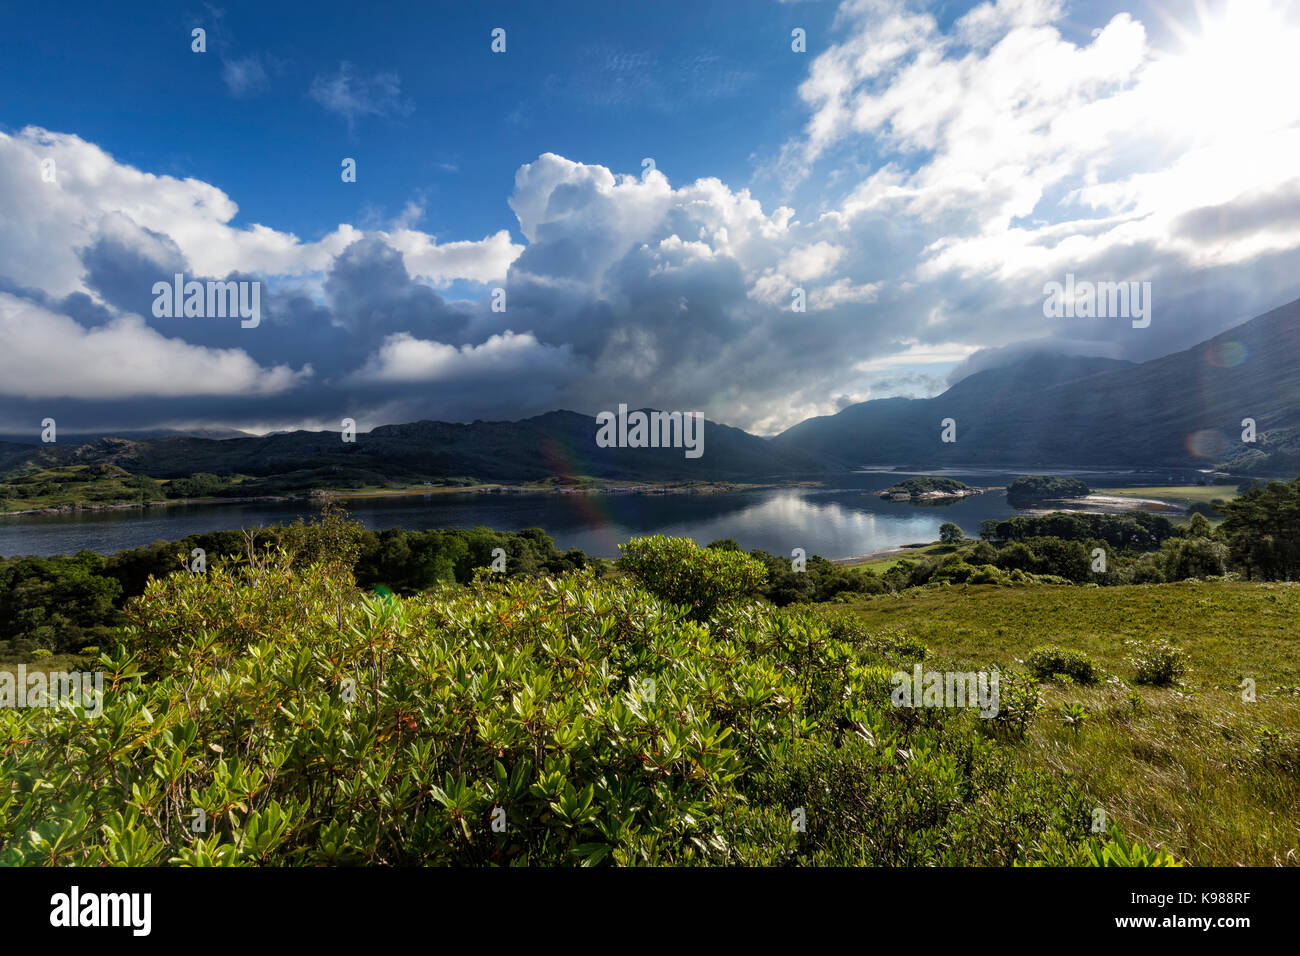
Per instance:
(1178,494)
(1193,769)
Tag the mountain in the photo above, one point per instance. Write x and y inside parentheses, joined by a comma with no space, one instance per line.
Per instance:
(906,431)
(1182,410)
(199,431)
(560,443)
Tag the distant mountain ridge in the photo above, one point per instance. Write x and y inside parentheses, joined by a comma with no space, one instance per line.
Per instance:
(1182,410)
(906,431)
(559,443)
(204,431)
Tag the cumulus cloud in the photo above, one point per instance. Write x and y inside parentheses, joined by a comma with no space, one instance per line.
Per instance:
(93,195)
(45,355)
(1003,154)
(405,359)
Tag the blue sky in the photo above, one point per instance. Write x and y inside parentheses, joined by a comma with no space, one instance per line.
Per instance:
(693,85)
(707,89)
(919,173)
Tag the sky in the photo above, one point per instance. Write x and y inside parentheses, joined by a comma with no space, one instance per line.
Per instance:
(627,204)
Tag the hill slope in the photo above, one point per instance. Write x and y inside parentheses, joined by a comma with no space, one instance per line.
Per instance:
(1184,409)
(557,443)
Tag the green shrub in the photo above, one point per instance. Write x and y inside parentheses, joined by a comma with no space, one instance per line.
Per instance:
(865,804)
(1112,849)
(562,720)
(886,644)
(680,571)
(1019,701)
(1049,663)
(954,572)
(1157,662)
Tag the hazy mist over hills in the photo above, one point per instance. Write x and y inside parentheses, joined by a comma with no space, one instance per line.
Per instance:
(1182,410)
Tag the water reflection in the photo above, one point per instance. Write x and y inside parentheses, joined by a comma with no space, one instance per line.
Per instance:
(834,522)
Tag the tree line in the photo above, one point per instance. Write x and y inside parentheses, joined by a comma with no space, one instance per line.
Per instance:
(67,602)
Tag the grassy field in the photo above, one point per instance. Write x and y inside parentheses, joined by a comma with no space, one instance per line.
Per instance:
(74,485)
(1185,769)
(882,565)
(1178,494)
(55,662)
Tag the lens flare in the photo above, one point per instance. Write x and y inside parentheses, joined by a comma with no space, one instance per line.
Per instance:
(1207,443)
(1227,354)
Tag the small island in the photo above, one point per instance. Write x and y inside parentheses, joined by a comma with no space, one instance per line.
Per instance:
(924,489)
(1033,488)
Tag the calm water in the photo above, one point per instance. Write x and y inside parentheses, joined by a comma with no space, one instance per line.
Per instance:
(834,522)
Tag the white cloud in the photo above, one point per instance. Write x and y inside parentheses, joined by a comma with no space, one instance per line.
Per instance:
(957,169)
(405,359)
(245,76)
(45,355)
(811,261)
(916,353)
(841,291)
(352,96)
(1005,120)
(485,260)
(47,223)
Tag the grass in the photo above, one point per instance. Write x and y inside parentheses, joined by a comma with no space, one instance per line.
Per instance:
(1178,494)
(884,564)
(77,485)
(1179,768)
(55,662)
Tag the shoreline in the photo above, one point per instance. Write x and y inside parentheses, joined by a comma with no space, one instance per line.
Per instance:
(629,488)
(141,505)
(1104,504)
(880,555)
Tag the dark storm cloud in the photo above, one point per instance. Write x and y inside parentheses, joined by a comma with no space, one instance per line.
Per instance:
(124,273)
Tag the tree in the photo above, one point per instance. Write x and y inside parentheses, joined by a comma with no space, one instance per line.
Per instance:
(1198,527)
(1193,558)
(1262,530)
(1017,556)
(950,533)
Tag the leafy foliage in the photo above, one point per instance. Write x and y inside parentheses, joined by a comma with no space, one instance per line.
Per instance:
(819,581)
(270,712)
(1030,488)
(925,485)
(1135,529)
(681,572)
(1157,662)
(1051,662)
(1262,529)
